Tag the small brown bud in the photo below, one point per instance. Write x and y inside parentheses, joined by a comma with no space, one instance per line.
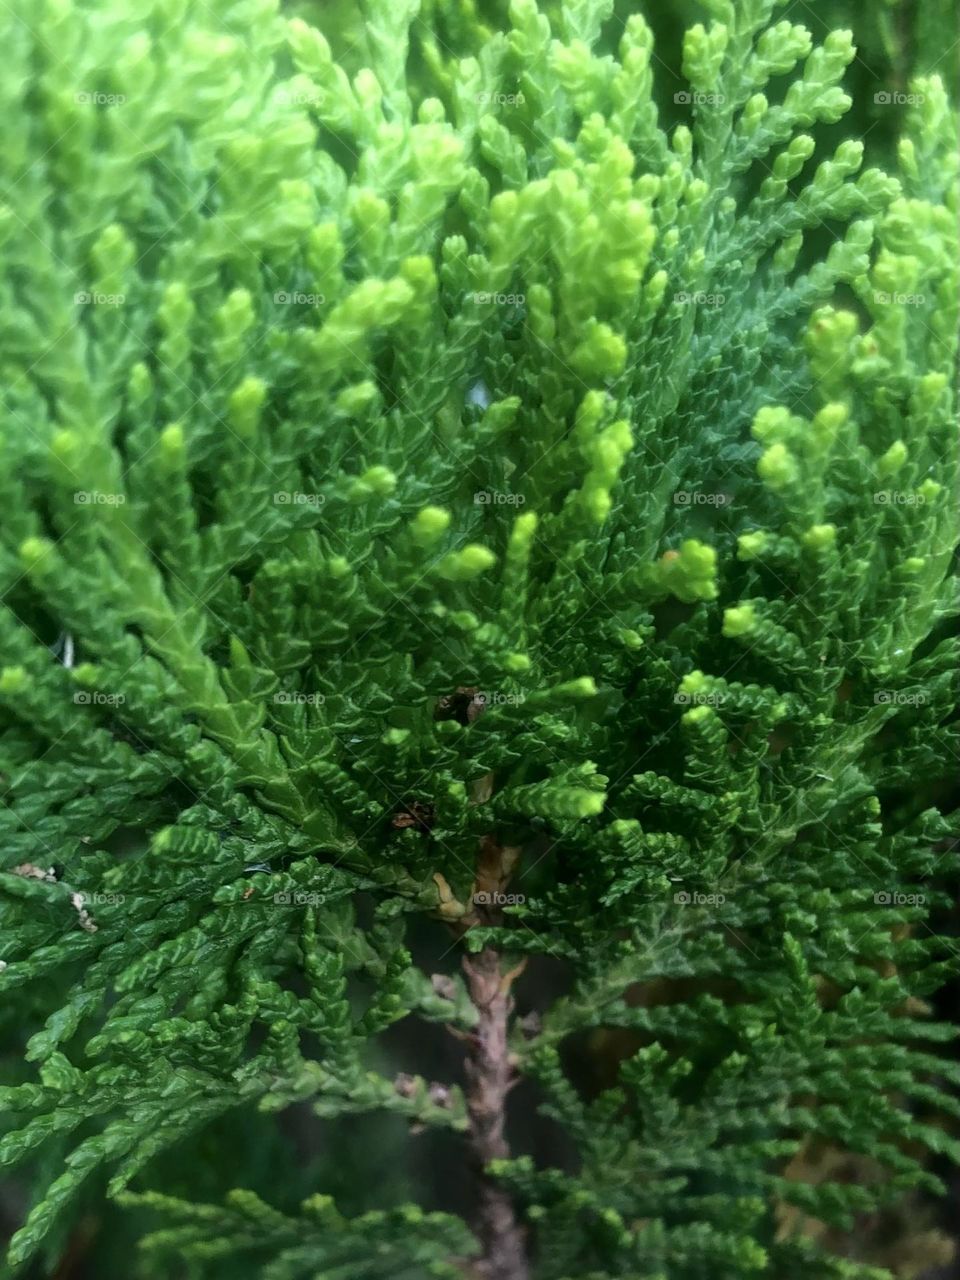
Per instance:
(439,1095)
(405,1085)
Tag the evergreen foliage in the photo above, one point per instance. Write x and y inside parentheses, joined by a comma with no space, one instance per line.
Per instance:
(441,499)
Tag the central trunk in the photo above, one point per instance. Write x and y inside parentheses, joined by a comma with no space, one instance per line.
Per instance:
(489,1076)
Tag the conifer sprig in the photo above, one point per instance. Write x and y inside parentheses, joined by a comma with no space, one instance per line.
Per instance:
(451,496)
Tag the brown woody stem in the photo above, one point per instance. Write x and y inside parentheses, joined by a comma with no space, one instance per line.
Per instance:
(489,1077)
